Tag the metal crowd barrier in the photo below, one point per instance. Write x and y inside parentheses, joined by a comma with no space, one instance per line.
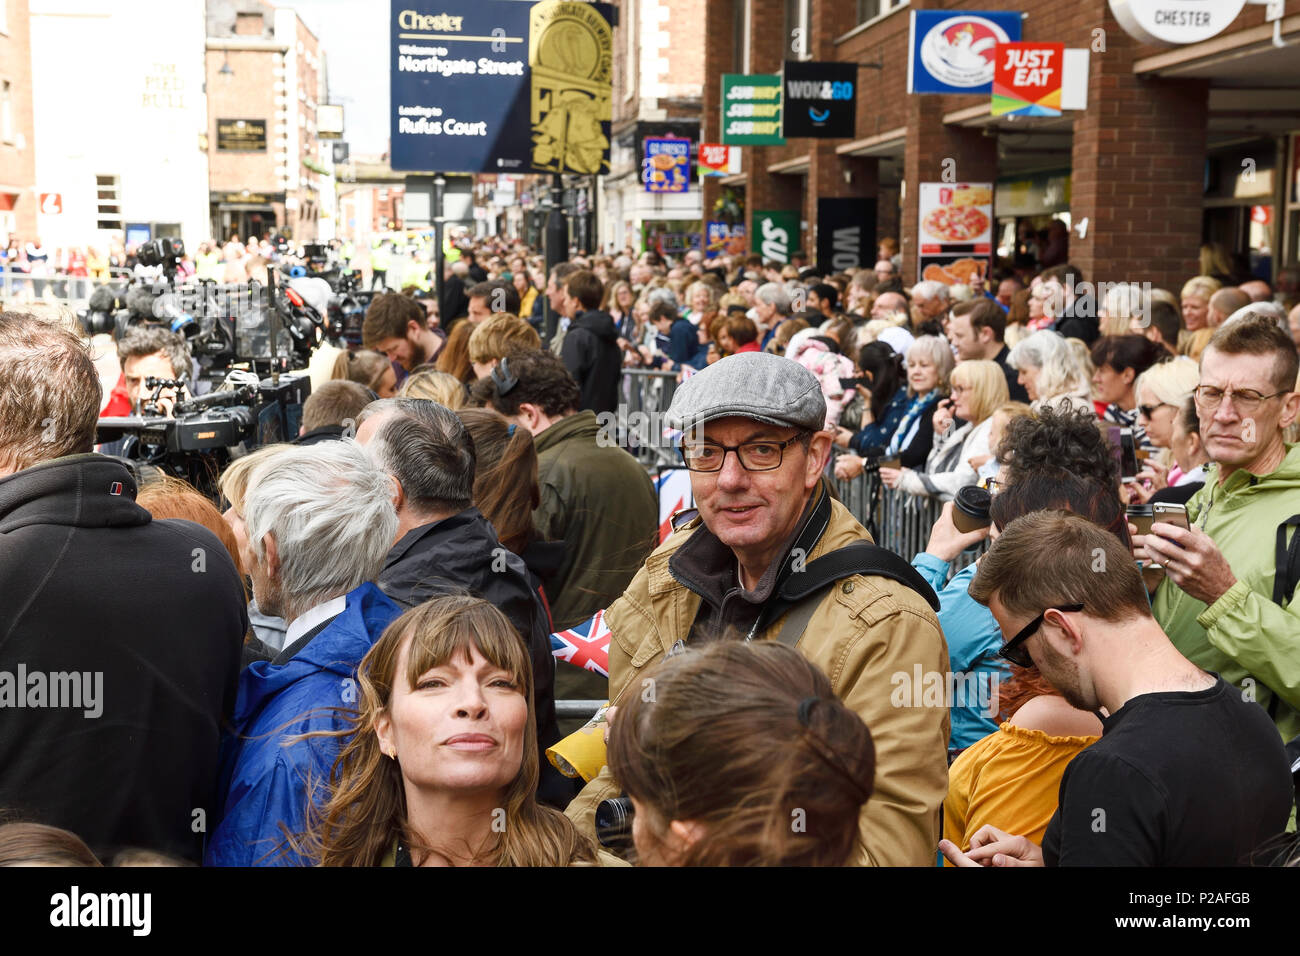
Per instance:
(646,396)
(18,287)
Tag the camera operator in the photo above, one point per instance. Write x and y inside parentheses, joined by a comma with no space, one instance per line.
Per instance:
(152,352)
(137,622)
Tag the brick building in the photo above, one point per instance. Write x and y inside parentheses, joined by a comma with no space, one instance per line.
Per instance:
(1178,145)
(17,137)
(659,69)
(265,78)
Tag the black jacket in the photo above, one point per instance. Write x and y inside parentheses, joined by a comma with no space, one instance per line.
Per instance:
(318,435)
(1073,326)
(463,553)
(1015,391)
(90,584)
(591,354)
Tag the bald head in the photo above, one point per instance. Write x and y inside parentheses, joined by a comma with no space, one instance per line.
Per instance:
(1257,289)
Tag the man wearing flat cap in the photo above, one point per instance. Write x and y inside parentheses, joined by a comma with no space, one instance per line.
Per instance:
(747,568)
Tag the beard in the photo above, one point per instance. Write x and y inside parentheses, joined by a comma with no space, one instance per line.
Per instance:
(419,355)
(1063,674)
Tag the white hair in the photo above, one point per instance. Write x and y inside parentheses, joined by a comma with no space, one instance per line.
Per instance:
(930,289)
(775,295)
(961,293)
(331,511)
(1058,367)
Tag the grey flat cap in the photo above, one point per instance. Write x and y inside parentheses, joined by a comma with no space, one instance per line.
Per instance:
(758,385)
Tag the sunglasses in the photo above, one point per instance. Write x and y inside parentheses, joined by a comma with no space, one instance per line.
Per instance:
(1150,410)
(1014,651)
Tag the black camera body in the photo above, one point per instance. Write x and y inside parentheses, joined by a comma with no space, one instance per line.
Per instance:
(161,252)
(197,444)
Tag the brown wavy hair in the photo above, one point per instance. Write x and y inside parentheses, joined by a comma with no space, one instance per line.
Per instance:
(364,810)
(740,737)
(506,490)
(363,366)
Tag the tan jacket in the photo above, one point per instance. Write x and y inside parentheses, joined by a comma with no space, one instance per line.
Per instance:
(868,635)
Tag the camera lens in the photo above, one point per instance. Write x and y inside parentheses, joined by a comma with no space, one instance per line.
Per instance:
(614,822)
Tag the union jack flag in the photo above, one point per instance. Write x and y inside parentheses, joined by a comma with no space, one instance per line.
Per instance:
(585,646)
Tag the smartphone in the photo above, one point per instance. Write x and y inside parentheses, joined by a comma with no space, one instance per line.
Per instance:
(1169,513)
(1127,454)
(848,384)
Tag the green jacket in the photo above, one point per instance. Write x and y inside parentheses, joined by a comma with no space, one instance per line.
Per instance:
(1244,634)
(601,503)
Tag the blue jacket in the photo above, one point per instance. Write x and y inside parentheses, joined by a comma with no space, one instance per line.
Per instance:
(878,434)
(684,345)
(974,639)
(265,781)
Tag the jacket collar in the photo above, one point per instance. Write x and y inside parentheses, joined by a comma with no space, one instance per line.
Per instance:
(569,427)
(435,529)
(708,567)
(80,491)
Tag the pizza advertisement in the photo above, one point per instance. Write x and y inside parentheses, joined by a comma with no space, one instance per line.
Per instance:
(956,232)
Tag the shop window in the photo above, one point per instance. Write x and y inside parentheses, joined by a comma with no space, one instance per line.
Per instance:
(870,9)
(108,204)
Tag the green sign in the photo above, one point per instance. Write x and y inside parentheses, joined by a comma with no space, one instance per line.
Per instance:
(775,235)
(751,110)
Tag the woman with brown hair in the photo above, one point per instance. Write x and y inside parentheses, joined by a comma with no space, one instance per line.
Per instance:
(742,756)
(371,369)
(454,357)
(441,762)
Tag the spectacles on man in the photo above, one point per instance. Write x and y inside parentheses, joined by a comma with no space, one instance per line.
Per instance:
(762,455)
(1014,651)
(1245,400)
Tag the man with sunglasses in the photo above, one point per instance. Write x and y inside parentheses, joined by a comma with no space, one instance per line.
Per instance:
(1225,601)
(755,443)
(1186,773)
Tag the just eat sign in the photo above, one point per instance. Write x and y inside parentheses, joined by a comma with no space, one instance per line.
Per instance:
(1027,79)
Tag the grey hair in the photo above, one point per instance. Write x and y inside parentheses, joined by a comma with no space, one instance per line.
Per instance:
(929,289)
(424,446)
(662,294)
(775,295)
(148,339)
(331,512)
(939,352)
(1058,368)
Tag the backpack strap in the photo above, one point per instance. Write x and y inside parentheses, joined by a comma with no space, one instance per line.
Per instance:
(802,592)
(1287,572)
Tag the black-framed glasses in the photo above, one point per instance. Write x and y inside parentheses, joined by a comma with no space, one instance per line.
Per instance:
(764,455)
(1149,411)
(1245,401)
(1014,651)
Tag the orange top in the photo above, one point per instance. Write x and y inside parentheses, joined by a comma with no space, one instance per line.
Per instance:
(1010,779)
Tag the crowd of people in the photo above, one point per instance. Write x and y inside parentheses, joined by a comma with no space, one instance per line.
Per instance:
(350,658)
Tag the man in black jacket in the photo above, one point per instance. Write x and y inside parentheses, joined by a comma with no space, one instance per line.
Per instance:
(119,635)
(590,351)
(445,545)
(1076,315)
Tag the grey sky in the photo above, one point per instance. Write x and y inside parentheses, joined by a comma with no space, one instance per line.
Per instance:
(354,36)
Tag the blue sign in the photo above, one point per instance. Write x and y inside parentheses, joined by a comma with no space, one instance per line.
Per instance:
(666,167)
(952,51)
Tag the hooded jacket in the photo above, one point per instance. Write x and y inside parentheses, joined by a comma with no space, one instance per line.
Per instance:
(267,777)
(809,349)
(141,619)
(947,469)
(872,636)
(601,503)
(463,553)
(1244,636)
(591,354)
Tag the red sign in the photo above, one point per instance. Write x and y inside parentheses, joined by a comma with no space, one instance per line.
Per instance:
(1261,214)
(1027,79)
(716,160)
(52,204)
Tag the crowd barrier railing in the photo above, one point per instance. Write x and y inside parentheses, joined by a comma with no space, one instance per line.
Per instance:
(18,287)
(645,396)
